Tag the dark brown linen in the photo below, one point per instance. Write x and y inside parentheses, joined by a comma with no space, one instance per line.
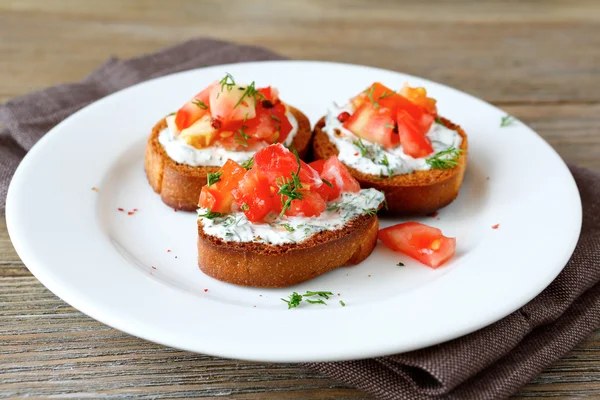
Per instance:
(491,363)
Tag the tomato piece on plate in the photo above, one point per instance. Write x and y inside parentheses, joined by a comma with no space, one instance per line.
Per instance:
(194,109)
(424,243)
(336,173)
(414,142)
(232,103)
(419,97)
(217,197)
(278,163)
(253,195)
(376,125)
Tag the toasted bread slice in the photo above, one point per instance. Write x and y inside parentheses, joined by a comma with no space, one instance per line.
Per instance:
(179,185)
(264,265)
(417,193)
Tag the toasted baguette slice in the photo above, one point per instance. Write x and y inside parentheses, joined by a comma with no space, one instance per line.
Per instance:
(179,185)
(417,193)
(264,265)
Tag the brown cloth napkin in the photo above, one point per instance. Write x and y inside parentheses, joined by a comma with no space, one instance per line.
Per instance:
(491,363)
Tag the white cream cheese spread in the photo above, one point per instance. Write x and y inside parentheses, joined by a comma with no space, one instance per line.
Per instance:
(379,160)
(179,151)
(235,227)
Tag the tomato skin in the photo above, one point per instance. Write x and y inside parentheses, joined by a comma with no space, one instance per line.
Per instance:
(340,178)
(419,97)
(414,142)
(230,103)
(424,243)
(311,205)
(375,125)
(217,197)
(277,163)
(190,112)
(317,165)
(254,196)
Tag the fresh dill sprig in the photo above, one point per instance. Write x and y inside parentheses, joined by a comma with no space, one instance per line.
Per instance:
(245,207)
(248,163)
(294,300)
(364,150)
(342,303)
(213,177)
(507,120)
(319,301)
(290,189)
(288,227)
(211,215)
(325,181)
(370,211)
(318,293)
(241,137)
(445,159)
(438,120)
(250,92)
(275,118)
(200,104)
(227,81)
(173,113)
(370,93)
(390,126)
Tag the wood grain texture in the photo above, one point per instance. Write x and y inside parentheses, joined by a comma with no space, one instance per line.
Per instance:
(539,60)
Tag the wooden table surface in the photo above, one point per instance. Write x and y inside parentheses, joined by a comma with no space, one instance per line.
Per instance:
(540,61)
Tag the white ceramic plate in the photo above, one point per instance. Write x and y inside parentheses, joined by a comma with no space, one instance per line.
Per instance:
(100,260)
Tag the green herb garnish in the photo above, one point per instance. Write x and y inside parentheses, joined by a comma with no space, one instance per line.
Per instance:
(370,93)
(400,264)
(248,163)
(245,207)
(290,189)
(390,126)
(438,121)
(364,150)
(319,301)
(342,303)
(212,178)
(507,120)
(241,137)
(294,300)
(227,81)
(319,293)
(249,91)
(445,159)
(173,113)
(288,227)
(275,118)
(370,211)
(325,181)
(200,104)
(211,215)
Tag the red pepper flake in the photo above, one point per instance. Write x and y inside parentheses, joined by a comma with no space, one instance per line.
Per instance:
(343,117)
(339,294)
(356,154)
(174,210)
(168,251)
(433,214)
(135,210)
(205,290)
(120,209)
(130,213)
(95,189)
(153,267)
(496,226)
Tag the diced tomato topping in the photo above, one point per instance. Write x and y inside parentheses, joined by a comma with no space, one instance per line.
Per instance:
(336,173)
(311,205)
(217,197)
(317,165)
(231,103)
(277,163)
(421,242)
(270,94)
(254,196)
(375,125)
(194,109)
(419,97)
(414,142)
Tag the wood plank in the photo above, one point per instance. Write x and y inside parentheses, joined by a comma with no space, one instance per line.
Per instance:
(522,53)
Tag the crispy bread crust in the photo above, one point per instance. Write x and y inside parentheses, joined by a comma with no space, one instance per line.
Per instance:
(263,265)
(179,185)
(421,192)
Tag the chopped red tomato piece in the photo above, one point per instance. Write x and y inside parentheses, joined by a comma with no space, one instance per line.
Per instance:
(317,165)
(421,242)
(270,94)
(419,97)
(414,142)
(311,205)
(337,175)
(376,93)
(217,197)
(232,103)
(194,109)
(376,125)
(254,196)
(278,163)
